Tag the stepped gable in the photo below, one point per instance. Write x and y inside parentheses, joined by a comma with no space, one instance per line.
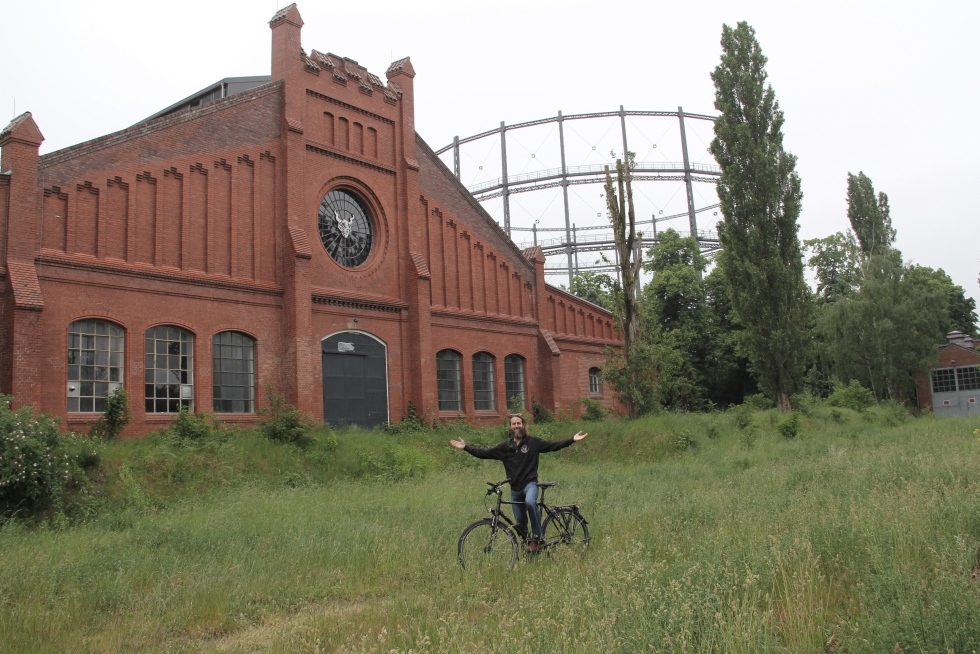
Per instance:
(345,69)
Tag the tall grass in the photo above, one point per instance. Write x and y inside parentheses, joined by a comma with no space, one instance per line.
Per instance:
(862,534)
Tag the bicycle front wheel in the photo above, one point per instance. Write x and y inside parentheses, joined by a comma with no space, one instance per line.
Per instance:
(566,533)
(485,547)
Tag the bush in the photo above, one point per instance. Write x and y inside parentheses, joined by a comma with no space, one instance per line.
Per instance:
(683,441)
(853,396)
(285,423)
(189,426)
(742,416)
(540,412)
(36,471)
(110,424)
(758,401)
(410,424)
(592,410)
(789,427)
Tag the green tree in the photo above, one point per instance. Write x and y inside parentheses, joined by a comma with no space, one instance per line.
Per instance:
(836,265)
(886,333)
(631,372)
(760,197)
(597,288)
(675,319)
(961,310)
(869,215)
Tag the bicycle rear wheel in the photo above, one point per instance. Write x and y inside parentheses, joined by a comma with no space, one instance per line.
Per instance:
(566,533)
(483,547)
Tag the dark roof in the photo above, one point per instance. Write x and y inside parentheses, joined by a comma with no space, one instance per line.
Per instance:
(220,89)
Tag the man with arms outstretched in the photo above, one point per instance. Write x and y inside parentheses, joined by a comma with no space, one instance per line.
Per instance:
(519,454)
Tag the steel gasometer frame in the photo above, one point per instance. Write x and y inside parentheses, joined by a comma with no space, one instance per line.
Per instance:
(590,238)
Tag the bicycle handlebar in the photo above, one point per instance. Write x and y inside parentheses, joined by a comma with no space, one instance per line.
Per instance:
(495,487)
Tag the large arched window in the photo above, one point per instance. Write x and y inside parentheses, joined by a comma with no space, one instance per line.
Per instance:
(484,396)
(448,379)
(95,364)
(233,373)
(514,380)
(169,369)
(595,381)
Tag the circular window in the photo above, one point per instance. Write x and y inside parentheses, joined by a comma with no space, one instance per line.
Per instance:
(345,228)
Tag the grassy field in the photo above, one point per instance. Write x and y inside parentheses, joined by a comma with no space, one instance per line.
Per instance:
(861,534)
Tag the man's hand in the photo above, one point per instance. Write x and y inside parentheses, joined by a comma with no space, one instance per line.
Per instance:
(458,444)
(579,436)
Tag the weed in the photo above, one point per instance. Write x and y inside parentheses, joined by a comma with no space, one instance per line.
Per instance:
(110,424)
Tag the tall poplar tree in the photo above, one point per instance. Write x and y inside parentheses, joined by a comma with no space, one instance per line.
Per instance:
(760,197)
(869,215)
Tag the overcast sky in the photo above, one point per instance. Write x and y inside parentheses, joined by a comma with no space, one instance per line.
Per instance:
(888,88)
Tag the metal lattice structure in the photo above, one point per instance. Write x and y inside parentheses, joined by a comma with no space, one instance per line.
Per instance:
(557,161)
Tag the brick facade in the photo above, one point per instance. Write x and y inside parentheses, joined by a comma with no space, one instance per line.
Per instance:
(207,220)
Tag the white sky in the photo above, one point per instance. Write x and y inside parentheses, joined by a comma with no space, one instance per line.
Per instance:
(890,88)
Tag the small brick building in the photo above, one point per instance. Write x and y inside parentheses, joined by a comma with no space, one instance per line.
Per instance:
(291,231)
(952,388)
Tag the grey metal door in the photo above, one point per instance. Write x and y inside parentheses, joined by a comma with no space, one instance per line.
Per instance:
(355,380)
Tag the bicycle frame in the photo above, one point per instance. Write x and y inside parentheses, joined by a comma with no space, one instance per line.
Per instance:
(547,510)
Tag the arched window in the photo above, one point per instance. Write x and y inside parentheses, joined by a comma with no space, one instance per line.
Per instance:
(595,381)
(169,369)
(233,373)
(448,378)
(514,380)
(484,396)
(95,364)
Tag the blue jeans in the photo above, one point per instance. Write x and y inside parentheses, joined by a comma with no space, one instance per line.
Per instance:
(527,503)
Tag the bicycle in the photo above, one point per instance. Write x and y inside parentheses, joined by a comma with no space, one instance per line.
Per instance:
(492,543)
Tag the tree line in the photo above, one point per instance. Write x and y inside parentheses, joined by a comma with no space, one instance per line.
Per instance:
(696,339)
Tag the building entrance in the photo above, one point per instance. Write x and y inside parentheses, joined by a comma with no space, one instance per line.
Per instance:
(355,380)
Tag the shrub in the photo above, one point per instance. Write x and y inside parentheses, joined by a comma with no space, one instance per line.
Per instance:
(683,441)
(758,401)
(540,412)
(515,404)
(36,471)
(592,410)
(742,415)
(410,424)
(285,423)
(110,424)
(853,396)
(803,402)
(188,426)
(789,426)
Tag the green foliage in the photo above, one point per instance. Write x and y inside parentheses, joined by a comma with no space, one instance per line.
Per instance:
(283,422)
(412,423)
(597,288)
(515,404)
(869,215)
(742,416)
(852,396)
(759,402)
(399,463)
(760,195)
(683,441)
(789,426)
(188,426)
(37,470)
(116,416)
(540,412)
(634,380)
(834,260)
(592,410)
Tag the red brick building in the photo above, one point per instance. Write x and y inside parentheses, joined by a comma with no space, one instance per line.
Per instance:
(952,387)
(297,234)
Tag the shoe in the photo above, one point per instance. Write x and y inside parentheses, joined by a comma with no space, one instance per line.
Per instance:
(533,546)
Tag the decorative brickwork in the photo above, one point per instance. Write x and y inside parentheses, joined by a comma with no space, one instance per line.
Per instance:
(208,220)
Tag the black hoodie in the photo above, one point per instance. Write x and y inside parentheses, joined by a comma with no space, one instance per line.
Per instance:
(520,461)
